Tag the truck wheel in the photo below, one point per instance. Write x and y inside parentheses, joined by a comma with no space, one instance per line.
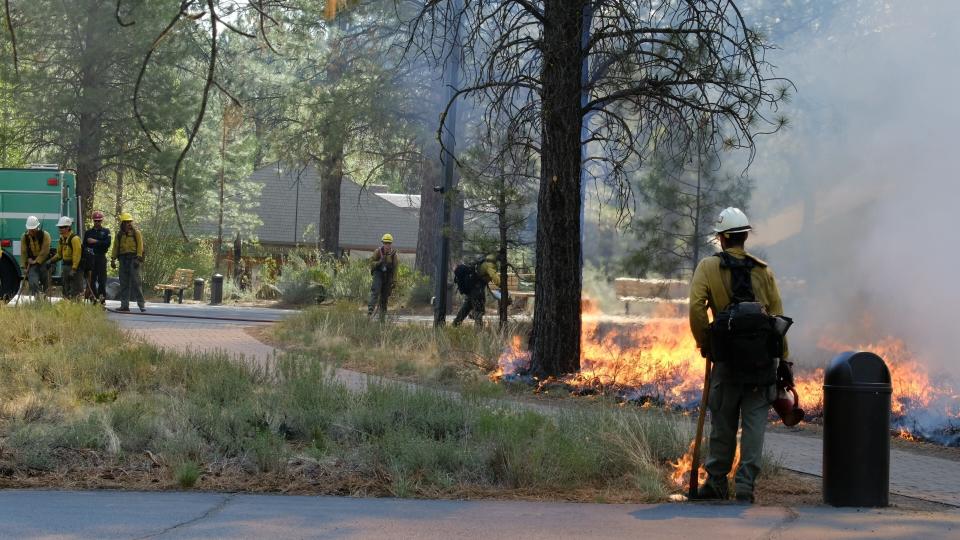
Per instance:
(9,277)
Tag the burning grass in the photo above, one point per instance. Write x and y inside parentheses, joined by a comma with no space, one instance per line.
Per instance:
(83,406)
(655,361)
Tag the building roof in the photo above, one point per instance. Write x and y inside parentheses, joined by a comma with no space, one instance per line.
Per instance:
(289,208)
(403,200)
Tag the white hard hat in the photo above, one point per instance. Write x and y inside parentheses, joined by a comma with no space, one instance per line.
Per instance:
(33,223)
(65,222)
(732,220)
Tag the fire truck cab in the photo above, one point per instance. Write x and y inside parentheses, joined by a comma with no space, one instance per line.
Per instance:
(44,191)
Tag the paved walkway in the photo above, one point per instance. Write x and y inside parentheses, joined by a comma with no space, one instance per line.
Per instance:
(105,514)
(911,475)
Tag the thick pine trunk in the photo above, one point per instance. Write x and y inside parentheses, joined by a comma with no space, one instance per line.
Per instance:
(428,236)
(88,160)
(556,317)
(118,202)
(90,135)
(331,180)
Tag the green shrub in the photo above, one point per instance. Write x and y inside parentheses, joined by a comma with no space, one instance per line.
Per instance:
(351,281)
(420,291)
(302,284)
(186,474)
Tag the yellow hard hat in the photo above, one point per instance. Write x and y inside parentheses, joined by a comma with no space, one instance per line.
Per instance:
(125,217)
(387,238)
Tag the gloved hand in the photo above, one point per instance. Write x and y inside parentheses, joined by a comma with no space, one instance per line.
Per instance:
(785,374)
(140,260)
(113,264)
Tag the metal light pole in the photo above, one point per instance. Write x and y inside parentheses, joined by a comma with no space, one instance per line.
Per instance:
(448,190)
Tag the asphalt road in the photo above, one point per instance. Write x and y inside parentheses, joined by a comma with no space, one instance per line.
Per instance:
(107,515)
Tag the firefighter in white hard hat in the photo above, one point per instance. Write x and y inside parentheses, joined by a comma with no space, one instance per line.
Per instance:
(34,253)
(70,251)
(738,396)
(383,268)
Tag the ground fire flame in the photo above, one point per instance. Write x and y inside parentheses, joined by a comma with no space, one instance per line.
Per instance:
(655,361)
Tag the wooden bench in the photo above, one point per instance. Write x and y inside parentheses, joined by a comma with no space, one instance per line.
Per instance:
(182,279)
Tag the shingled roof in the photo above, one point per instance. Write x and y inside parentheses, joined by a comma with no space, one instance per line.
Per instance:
(289,209)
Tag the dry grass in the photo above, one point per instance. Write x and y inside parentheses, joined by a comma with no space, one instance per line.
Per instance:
(460,357)
(82,406)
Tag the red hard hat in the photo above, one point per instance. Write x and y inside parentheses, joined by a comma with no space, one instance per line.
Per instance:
(98,216)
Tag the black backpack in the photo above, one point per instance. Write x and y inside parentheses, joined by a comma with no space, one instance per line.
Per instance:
(466,276)
(743,335)
(86,255)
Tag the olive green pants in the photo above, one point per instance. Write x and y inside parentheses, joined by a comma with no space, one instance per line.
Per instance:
(732,405)
(72,280)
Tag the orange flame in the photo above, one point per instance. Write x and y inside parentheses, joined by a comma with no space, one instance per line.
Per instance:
(680,475)
(656,360)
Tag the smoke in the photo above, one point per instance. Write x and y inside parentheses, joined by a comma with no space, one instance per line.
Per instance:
(858,197)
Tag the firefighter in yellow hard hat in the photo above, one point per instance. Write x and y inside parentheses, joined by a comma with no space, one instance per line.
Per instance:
(128,248)
(740,392)
(383,267)
(70,251)
(34,253)
(471,280)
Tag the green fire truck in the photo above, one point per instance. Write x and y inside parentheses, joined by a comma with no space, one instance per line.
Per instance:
(44,191)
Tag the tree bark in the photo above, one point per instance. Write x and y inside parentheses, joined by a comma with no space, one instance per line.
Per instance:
(556,317)
(218,255)
(90,135)
(118,203)
(503,227)
(331,180)
(430,206)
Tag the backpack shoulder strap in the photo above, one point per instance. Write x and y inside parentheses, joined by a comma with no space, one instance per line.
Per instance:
(741,282)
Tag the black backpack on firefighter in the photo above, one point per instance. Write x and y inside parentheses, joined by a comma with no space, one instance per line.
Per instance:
(86,255)
(467,275)
(743,335)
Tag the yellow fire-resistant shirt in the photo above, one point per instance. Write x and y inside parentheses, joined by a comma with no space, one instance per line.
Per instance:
(384,256)
(69,251)
(128,243)
(710,289)
(488,273)
(34,248)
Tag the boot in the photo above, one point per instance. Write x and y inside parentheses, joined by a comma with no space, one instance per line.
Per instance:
(711,492)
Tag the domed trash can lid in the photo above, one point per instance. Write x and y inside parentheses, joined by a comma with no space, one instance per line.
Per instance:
(863,370)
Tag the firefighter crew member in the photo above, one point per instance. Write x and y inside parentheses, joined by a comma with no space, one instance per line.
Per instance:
(34,252)
(736,396)
(128,247)
(69,250)
(98,239)
(383,268)
(474,299)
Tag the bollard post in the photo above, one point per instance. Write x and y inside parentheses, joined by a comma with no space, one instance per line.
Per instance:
(198,288)
(216,290)
(856,431)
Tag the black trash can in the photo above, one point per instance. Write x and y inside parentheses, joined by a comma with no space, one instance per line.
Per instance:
(216,289)
(856,431)
(198,288)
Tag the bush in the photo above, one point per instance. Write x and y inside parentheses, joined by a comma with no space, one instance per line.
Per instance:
(351,281)
(302,284)
(186,474)
(421,292)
